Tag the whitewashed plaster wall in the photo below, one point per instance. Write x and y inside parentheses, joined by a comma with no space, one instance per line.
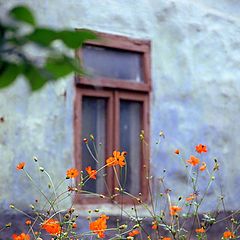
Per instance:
(195,93)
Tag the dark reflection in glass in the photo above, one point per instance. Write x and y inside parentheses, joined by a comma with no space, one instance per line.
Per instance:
(130,127)
(94,122)
(111,63)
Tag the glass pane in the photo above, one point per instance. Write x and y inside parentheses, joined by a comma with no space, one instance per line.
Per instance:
(130,127)
(94,122)
(112,63)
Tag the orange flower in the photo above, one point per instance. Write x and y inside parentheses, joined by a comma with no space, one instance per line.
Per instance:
(203,166)
(166,238)
(74,225)
(117,159)
(92,173)
(200,230)
(52,226)
(72,189)
(154,226)
(99,226)
(177,151)
(191,197)
(133,233)
(21,236)
(72,173)
(28,222)
(21,166)
(228,234)
(174,210)
(200,148)
(193,160)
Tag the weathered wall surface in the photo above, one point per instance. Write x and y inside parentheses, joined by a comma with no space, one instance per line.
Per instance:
(195,96)
(196,89)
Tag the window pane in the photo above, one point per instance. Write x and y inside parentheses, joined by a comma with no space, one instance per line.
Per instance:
(94,122)
(130,127)
(112,63)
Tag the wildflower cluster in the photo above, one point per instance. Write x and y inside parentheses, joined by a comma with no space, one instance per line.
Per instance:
(168,223)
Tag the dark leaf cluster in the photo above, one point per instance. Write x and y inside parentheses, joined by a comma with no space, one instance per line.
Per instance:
(37,70)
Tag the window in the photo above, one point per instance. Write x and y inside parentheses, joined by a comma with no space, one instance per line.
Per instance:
(112,104)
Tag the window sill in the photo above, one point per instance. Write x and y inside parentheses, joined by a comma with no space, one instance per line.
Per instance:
(113,210)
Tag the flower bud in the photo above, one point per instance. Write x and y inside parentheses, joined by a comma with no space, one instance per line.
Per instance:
(71,210)
(122,227)
(41,169)
(91,137)
(8,225)
(67,216)
(32,207)
(136,226)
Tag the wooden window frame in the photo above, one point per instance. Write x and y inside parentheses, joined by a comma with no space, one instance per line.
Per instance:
(119,43)
(79,138)
(115,90)
(144,161)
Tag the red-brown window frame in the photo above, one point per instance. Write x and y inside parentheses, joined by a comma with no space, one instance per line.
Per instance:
(120,43)
(78,136)
(136,97)
(114,90)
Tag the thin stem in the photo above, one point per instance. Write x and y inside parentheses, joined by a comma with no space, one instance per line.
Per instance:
(198,205)
(90,151)
(36,186)
(115,171)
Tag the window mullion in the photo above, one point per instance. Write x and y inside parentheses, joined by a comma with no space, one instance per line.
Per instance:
(116,130)
(110,140)
(116,120)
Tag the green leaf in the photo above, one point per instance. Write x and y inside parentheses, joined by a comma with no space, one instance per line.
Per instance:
(75,39)
(23,14)
(42,36)
(61,66)
(8,73)
(2,32)
(18,41)
(6,30)
(36,77)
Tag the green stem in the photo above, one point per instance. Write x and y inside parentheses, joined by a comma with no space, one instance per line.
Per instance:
(36,186)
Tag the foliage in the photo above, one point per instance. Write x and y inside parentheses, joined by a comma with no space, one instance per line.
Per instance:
(20,35)
(175,220)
